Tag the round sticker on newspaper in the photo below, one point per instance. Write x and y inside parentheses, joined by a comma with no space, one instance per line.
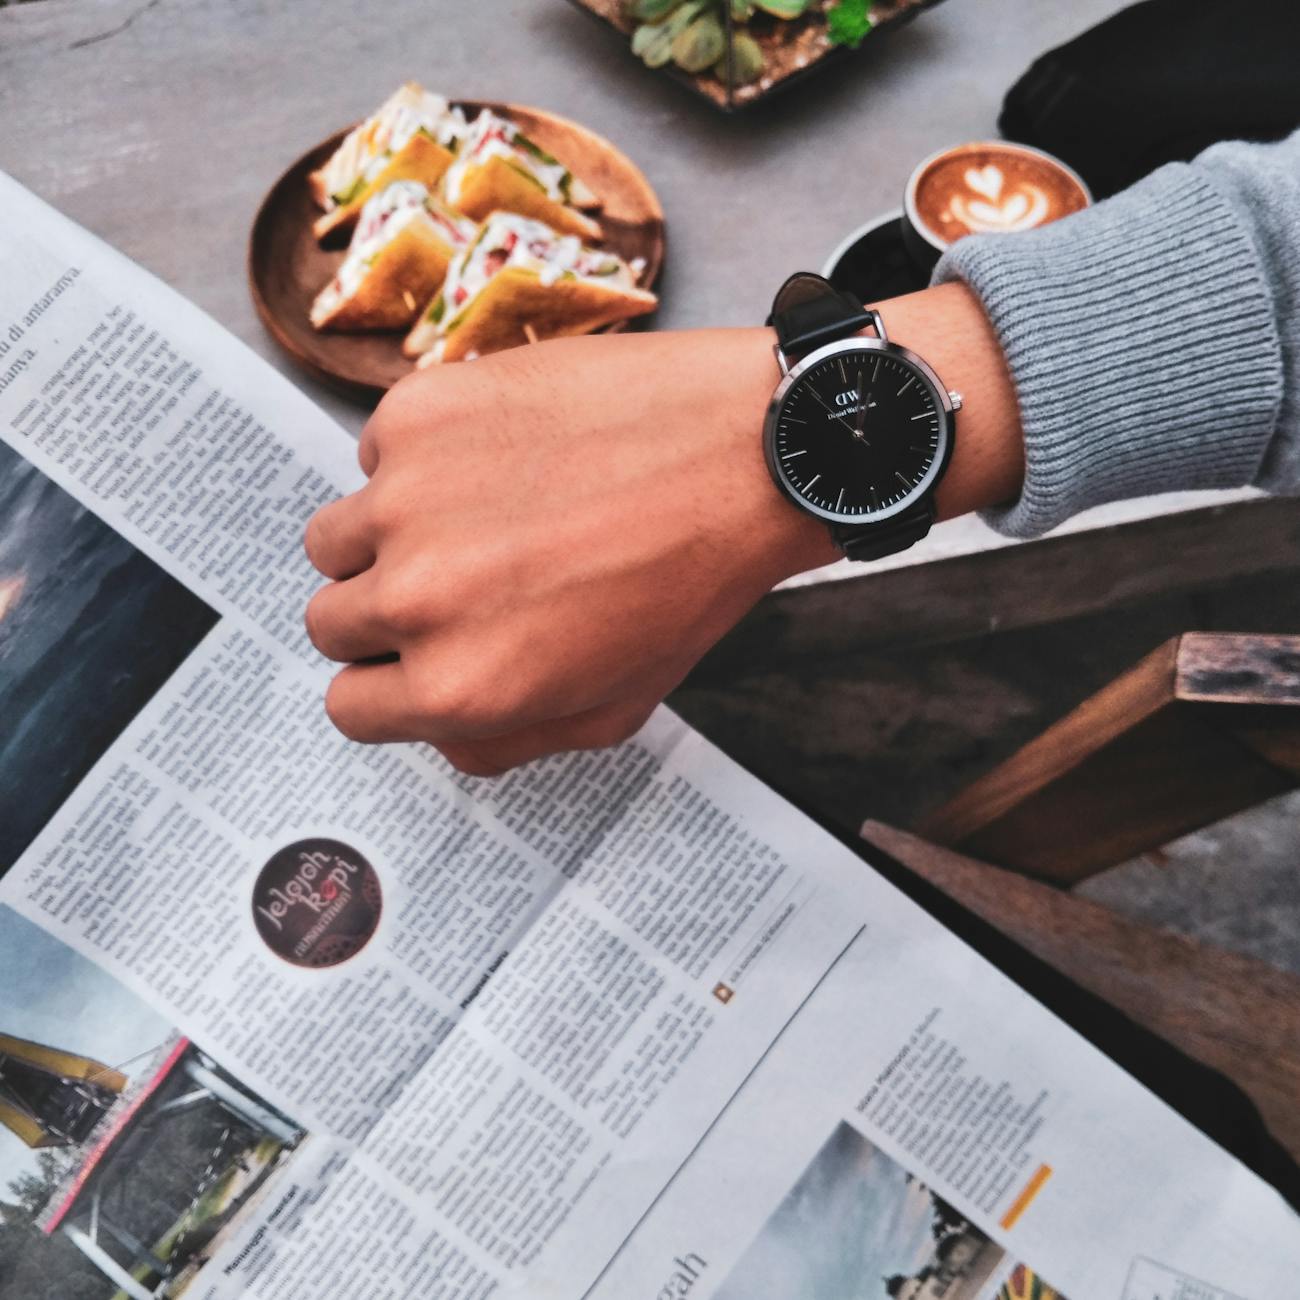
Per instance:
(317,903)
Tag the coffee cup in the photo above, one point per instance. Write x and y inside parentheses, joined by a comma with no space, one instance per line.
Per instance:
(984,187)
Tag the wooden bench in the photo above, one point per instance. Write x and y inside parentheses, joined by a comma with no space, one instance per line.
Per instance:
(1204,726)
(1234,1014)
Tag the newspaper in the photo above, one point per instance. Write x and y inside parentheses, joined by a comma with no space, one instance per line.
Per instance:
(283,1017)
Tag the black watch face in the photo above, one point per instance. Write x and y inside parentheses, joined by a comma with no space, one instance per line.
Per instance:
(858,435)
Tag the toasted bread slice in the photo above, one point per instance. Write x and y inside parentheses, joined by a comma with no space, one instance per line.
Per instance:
(497,185)
(404,242)
(411,136)
(421,159)
(518,308)
(521,281)
(499,169)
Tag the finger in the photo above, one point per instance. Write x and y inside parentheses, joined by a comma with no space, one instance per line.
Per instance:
(343,623)
(368,702)
(405,411)
(339,538)
(368,446)
(595,729)
(368,450)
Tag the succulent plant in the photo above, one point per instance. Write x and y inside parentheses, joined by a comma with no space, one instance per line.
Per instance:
(783,8)
(651,11)
(701,43)
(693,34)
(653,42)
(848,22)
(746,63)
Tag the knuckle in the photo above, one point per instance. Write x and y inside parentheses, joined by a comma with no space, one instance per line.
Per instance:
(392,405)
(448,704)
(460,703)
(617,727)
(366,448)
(470,764)
(315,538)
(402,602)
(389,501)
(611,731)
(312,617)
(378,428)
(381,501)
(403,410)
(338,712)
(433,701)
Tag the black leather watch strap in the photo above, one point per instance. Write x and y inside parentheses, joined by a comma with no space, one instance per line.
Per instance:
(808,311)
(886,536)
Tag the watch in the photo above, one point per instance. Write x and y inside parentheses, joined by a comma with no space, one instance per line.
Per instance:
(860,430)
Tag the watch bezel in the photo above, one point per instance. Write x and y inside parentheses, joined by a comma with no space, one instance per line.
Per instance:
(860,343)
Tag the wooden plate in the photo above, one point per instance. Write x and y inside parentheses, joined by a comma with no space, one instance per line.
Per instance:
(287,268)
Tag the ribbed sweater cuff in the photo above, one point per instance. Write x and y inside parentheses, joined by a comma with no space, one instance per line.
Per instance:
(1141,342)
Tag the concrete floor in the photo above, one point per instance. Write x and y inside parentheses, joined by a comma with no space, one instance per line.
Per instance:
(1236,884)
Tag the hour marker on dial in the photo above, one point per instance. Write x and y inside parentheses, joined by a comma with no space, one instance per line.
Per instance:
(847,421)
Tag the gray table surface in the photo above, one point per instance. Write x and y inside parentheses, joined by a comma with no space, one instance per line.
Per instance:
(160,124)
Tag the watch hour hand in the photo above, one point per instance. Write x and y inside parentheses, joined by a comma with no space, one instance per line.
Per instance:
(860,423)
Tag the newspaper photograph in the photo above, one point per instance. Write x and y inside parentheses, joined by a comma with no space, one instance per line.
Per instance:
(128,1156)
(89,629)
(858,1225)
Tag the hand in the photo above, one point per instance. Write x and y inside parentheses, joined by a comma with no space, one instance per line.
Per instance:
(549,540)
(552,537)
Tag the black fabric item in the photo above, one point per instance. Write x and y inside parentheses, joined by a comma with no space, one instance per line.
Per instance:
(876,265)
(1202,1096)
(1159,82)
(809,311)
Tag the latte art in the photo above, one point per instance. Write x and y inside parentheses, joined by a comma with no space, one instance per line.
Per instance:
(990,188)
(989,206)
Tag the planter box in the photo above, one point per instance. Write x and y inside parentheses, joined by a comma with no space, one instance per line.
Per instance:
(792,48)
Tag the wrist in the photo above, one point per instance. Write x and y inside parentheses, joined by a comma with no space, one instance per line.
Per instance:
(945,332)
(788,540)
(947,326)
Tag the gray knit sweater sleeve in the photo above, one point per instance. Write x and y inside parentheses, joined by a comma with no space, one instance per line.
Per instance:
(1154,339)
